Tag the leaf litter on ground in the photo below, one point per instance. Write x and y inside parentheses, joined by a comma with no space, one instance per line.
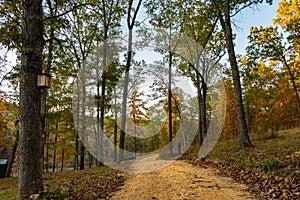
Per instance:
(271,169)
(94,183)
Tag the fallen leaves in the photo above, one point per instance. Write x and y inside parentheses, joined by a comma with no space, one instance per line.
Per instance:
(263,185)
(96,183)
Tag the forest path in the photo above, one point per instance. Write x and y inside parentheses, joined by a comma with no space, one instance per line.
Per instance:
(180,180)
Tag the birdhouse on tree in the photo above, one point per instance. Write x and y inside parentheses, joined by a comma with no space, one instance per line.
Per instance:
(44,80)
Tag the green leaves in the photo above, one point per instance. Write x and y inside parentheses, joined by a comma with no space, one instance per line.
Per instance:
(266,43)
(10,21)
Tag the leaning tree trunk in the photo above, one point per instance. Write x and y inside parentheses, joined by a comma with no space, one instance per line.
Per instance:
(30,138)
(244,139)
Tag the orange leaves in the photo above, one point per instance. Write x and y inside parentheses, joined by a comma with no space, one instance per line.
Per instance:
(270,98)
(230,126)
(4,122)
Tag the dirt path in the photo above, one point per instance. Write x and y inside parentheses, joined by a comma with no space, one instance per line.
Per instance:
(181,180)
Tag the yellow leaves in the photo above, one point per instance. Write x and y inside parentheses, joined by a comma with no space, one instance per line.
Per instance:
(294,155)
(287,11)
(263,72)
(288,16)
(274,63)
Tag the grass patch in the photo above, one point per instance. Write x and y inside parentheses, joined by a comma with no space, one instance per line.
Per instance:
(271,163)
(8,188)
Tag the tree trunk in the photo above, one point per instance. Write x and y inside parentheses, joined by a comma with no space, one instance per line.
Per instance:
(43,118)
(125,95)
(244,139)
(47,159)
(102,102)
(83,125)
(115,127)
(170,105)
(135,136)
(76,157)
(81,166)
(98,107)
(130,25)
(76,151)
(46,167)
(200,135)
(30,140)
(62,159)
(203,107)
(249,124)
(54,151)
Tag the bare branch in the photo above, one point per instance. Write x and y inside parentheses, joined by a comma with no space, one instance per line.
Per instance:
(68,11)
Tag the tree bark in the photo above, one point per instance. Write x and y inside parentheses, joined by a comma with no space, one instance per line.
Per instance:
(125,95)
(47,158)
(203,107)
(200,135)
(83,121)
(103,99)
(54,150)
(130,25)
(170,105)
(115,126)
(244,139)
(30,140)
(82,151)
(62,159)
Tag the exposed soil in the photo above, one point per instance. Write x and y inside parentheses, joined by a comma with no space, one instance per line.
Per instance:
(180,180)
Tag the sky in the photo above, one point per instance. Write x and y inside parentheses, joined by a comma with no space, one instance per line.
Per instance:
(248,18)
(262,15)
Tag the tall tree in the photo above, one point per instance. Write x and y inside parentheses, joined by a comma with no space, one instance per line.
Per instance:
(30,140)
(137,112)
(225,10)
(162,15)
(110,11)
(80,39)
(201,54)
(131,22)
